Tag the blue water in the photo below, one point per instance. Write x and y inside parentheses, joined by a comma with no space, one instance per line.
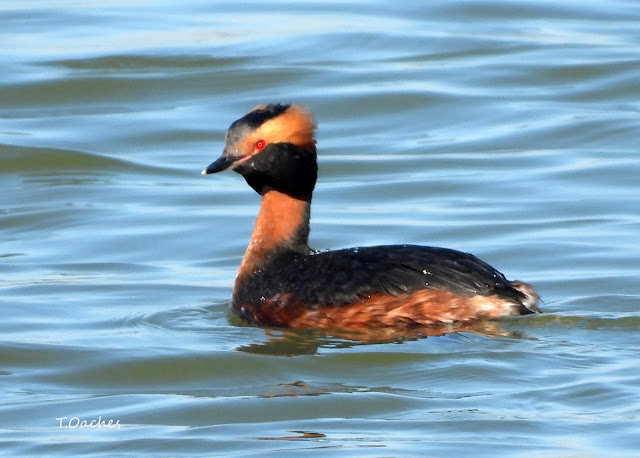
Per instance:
(504,128)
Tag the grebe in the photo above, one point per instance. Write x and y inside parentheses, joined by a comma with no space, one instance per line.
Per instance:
(281,282)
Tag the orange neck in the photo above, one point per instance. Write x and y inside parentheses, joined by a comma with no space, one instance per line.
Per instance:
(283,222)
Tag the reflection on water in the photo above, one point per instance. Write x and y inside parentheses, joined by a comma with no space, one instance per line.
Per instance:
(308,342)
(298,435)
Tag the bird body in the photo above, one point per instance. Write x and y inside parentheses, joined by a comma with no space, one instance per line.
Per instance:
(281,282)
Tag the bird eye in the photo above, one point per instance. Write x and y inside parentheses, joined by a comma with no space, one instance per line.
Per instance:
(260,144)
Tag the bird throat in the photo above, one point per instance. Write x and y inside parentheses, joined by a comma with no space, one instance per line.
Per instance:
(281,224)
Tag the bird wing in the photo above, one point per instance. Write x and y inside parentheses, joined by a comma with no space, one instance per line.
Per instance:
(343,276)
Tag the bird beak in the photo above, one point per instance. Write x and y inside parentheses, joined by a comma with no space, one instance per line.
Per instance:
(222,163)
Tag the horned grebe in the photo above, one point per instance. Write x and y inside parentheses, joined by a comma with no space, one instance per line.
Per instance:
(281,282)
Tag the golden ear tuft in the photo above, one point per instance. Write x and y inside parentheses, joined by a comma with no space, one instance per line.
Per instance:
(296,125)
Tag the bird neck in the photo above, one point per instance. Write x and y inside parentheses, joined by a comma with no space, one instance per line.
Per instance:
(282,224)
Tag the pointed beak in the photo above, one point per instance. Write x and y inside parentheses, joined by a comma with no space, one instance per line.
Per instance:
(222,163)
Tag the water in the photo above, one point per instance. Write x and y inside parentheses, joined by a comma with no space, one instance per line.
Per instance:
(505,128)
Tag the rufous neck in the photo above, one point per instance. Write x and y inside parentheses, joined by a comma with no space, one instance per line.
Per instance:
(282,223)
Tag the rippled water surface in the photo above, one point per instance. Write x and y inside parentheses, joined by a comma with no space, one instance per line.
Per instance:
(509,129)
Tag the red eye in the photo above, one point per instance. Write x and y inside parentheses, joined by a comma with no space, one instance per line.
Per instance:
(260,144)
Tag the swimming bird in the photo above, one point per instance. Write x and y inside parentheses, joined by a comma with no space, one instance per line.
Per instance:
(282,282)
